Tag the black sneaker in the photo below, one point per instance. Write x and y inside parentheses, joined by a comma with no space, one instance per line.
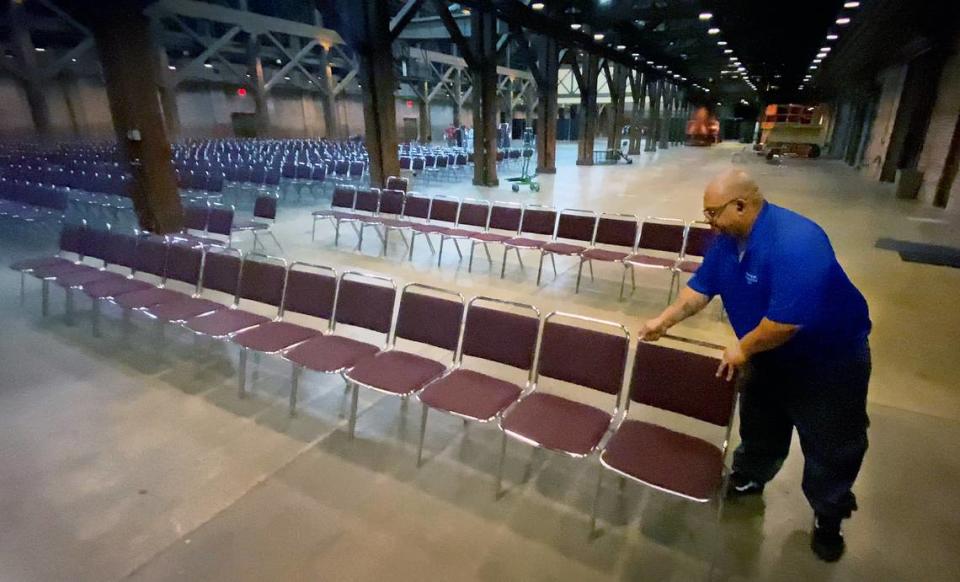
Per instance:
(827,541)
(741,486)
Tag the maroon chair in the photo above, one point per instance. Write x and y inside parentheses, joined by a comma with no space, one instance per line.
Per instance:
(698,240)
(264,217)
(366,207)
(363,301)
(592,359)
(426,315)
(504,224)
(184,264)
(262,280)
(416,211)
(195,218)
(497,331)
(443,217)
(649,453)
(220,222)
(307,292)
(388,215)
(617,233)
(220,272)
(658,247)
(536,219)
(72,239)
(472,213)
(572,225)
(398,183)
(341,206)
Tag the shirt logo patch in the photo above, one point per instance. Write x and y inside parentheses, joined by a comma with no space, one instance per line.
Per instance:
(751,278)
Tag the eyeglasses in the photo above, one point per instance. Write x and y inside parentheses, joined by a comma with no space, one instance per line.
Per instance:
(713,212)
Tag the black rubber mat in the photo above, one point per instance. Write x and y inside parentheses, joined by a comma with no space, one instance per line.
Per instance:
(914,252)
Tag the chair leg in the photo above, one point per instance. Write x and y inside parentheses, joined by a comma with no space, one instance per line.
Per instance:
(623,281)
(45,298)
(352,423)
(68,305)
(553,261)
(473,246)
(503,454)
(540,268)
(23,288)
(443,239)
(413,238)
(96,317)
(519,258)
(295,372)
(242,378)
(277,242)
(596,500)
(579,274)
(423,430)
(386,237)
(590,264)
(487,250)
(456,245)
(503,265)
(336,234)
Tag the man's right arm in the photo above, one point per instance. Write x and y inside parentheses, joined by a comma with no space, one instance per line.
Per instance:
(689,302)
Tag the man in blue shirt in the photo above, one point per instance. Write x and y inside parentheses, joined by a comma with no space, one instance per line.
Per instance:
(803,351)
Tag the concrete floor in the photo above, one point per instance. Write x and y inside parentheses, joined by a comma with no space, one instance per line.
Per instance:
(133,458)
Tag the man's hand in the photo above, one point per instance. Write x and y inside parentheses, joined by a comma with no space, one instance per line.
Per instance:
(652,330)
(733,360)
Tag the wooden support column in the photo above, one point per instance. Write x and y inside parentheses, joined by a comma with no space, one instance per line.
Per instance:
(167,88)
(638,90)
(423,133)
(127,56)
(589,67)
(457,97)
(483,41)
(26,58)
(617,82)
(666,111)
(548,56)
(653,130)
(328,97)
(367,29)
(255,70)
(951,167)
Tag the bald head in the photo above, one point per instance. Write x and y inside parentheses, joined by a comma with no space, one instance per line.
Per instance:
(730,185)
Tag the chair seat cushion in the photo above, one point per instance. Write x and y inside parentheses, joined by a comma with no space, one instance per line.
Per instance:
(648,261)
(59,269)
(531,243)
(179,311)
(558,423)
(149,297)
(604,255)
(472,394)
(85,277)
(329,212)
(274,336)
(563,248)
(666,459)
(225,322)
(36,262)
(431,228)
(689,266)
(250,225)
(489,237)
(396,371)
(108,288)
(330,353)
(394,223)
(460,233)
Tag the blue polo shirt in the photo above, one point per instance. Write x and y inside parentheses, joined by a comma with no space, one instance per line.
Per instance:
(789,274)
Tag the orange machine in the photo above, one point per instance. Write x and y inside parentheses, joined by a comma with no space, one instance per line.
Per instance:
(703,129)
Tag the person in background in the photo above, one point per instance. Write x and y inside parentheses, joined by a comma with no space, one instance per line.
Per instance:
(802,352)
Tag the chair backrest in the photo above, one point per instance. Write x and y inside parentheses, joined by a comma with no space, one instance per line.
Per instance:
(398,183)
(538,219)
(391,201)
(474,213)
(417,206)
(120,249)
(617,230)
(221,269)
(73,239)
(573,224)
(506,216)
(429,315)
(303,172)
(444,209)
(195,217)
(265,207)
(681,382)
(319,173)
(184,263)
(368,200)
(583,356)
(262,279)
(310,290)
(220,220)
(151,256)
(662,234)
(699,238)
(343,197)
(491,332)
(365,301)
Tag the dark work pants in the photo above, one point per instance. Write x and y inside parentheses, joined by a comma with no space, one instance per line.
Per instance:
(825,398)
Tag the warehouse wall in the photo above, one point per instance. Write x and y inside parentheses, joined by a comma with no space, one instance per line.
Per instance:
(891,81)
(944,119)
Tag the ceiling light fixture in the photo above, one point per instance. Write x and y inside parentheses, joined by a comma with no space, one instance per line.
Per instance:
(821,55)
(713,31)
(825,49)
(208,65)
(813,67)
(832,36)
(705,16)
(576,26)
(817,61)
(851,5)
(843,21)
(598,36)
(621,47)
(721,43)
(537,6)
(727,51)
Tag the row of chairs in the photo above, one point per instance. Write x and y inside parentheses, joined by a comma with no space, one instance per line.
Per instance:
(668,244)
(29,202)
(213,223)
(588,353)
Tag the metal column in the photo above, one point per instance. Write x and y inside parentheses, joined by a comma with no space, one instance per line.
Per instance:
(587,115)
(547,114)
(638,86)
(25,54)
(483,40)
(618,91)
(653,131)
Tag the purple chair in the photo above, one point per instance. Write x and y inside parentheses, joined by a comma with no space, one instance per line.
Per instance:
(362,301)
(572,225)
(416,210)
(341,207)
(443,216)
(264,216)
(497,331)
(398,183)
(72,242)
(536,219)
(307,292)
(505,217)
(658,247)
(220,272)
(674,462)
(580,355)
(184,263)
(426,315)
(618,235)
(390,214)
(472,213)
(262,280)
(365,209)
